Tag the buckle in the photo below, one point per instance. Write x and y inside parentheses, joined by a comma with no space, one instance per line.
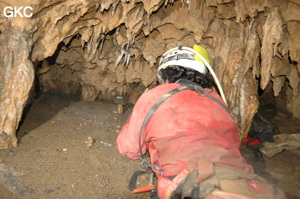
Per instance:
(144,164)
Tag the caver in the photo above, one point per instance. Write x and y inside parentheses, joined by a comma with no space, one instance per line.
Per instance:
(191,137)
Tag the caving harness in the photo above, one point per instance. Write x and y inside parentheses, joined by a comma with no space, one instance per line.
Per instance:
(185,85)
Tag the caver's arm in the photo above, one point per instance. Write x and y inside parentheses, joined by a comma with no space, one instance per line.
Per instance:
(128,139)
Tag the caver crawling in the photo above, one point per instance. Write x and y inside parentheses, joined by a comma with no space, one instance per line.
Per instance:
(192,140)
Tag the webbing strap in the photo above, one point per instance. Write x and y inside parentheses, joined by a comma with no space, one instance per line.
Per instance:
(177,57)
(195,87)
(133,179)
(149,114)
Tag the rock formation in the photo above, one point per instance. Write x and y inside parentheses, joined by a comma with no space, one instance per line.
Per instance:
(102,49)
(17,75)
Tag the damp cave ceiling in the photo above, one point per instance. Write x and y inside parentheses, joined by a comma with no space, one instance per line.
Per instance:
(111,47)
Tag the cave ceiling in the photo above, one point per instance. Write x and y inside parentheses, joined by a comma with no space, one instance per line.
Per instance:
(112,47)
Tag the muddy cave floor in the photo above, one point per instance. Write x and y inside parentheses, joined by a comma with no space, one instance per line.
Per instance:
(52,159)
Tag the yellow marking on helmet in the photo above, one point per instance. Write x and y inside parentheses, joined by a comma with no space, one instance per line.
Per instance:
(203,52)
(164,67)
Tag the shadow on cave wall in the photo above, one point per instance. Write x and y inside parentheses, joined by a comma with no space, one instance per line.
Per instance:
(271,106)
(50,103)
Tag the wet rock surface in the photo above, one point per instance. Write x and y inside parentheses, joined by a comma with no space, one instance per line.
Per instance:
(54,161)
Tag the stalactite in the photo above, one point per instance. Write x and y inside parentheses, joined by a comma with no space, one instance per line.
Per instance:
(272,31)
(113,46)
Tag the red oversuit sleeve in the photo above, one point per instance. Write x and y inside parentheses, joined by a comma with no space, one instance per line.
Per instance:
(128,139)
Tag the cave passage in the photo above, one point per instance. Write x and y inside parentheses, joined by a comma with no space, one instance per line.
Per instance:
(71,58)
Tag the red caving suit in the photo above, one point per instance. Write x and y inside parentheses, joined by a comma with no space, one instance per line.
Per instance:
(188,131)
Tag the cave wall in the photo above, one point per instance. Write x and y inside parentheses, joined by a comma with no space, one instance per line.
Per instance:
(107,48)
(16,81)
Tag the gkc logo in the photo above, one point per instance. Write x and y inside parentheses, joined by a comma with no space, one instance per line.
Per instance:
(10,11)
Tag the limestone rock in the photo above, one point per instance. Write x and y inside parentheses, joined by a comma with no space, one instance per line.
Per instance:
(89,93)
(113,46)
(17,75)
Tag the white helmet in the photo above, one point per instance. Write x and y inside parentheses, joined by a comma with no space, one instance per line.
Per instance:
(184,58)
